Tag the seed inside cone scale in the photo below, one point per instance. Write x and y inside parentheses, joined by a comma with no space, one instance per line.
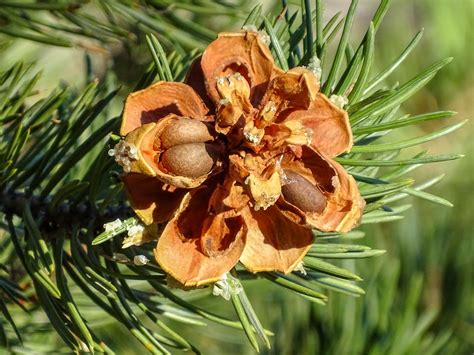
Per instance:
(189,160)
(183,131)
(301,193)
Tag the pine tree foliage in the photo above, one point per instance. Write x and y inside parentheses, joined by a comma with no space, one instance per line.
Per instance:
(95,25)
(59,187)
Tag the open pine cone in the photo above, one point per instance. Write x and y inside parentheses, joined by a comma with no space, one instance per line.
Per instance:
(237,163)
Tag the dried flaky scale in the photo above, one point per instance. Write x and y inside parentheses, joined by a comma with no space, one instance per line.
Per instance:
(234,103)
(344,205)
(224,223)
(158,101)
(180,251)
(151,200)
(295,89)
(331,131)
(273,241)
(264,192)
(236,164)
(175,164)
(143,139)
(242,52)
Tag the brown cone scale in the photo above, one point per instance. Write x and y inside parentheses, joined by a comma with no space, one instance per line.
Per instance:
(190,160)
(300,192)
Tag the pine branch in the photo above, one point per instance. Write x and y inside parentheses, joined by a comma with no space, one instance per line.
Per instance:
(58,186)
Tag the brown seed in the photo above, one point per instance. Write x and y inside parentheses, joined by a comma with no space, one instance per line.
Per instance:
(301,193)
(189,160)
(183,131)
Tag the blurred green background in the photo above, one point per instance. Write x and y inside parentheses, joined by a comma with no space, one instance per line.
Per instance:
(419,295)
